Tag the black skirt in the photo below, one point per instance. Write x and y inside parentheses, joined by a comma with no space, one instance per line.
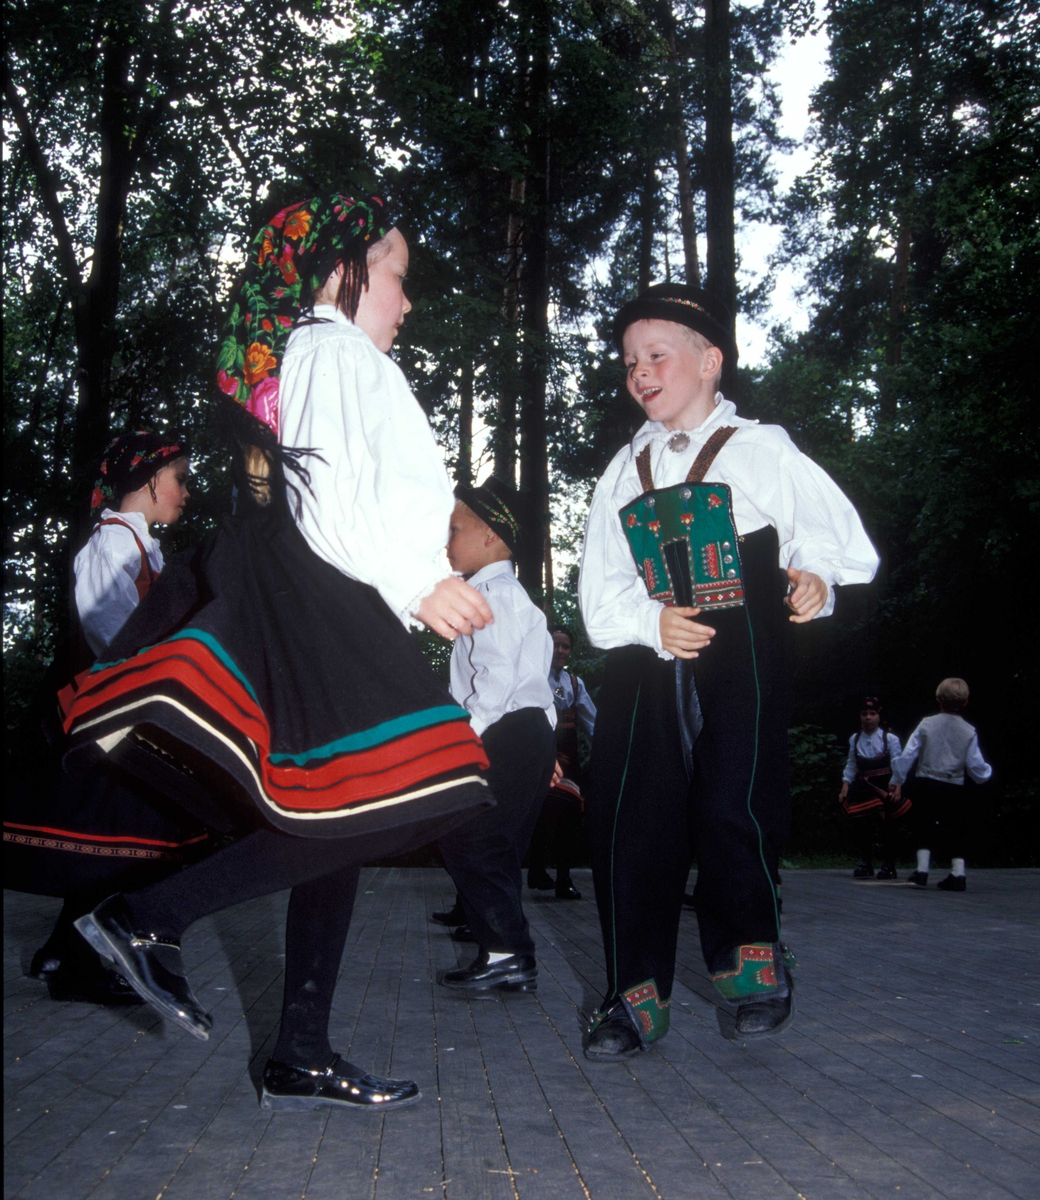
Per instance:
(102,831)
(258,684)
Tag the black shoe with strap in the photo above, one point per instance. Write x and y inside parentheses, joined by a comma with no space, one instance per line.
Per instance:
(864,871)
(340,1084)
(540,881)
(150,963)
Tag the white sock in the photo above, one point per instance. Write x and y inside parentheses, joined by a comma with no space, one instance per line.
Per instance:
(924,857)
(957,866)
(495,956)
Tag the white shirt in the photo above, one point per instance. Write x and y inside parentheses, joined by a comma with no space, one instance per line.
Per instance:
(869,745)
(504,666)
(379,502)
(106,574)
(947,746)
(772,483)
(563,698)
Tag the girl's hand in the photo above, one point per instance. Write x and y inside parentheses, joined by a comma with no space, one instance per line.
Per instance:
(557,774)
(844,790)
(454,608)
(807,596)
(682,636)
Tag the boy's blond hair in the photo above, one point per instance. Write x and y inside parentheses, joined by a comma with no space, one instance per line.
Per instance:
(952,694)
(701,343)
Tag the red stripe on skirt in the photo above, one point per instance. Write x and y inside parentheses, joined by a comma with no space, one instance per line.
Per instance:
(366,774)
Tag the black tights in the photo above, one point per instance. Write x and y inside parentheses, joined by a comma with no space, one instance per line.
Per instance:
(323,875)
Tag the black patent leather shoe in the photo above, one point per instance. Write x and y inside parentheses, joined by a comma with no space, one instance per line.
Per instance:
(91,984)
(614,1038)
(517,973)
(462,934)
(151,965)
(540,881)
(863,871)
(297,1089)
(759,1015)
(45,963)
(450,916)
(567,892)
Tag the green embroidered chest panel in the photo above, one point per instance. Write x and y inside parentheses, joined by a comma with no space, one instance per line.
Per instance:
(685,545)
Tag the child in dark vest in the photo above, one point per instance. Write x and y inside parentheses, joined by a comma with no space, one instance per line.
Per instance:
(702,532)
(945,748)
(864,794)
(82,839)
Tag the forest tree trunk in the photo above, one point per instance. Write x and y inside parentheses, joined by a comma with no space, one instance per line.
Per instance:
(534,294)
(721,278)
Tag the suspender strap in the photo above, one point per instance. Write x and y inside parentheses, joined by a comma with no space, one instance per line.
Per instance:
(646,479)
(145,576)
(708,452)
(701,463)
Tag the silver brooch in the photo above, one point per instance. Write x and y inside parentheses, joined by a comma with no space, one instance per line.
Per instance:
(678,442)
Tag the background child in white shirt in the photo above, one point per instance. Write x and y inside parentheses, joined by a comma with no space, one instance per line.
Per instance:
(500,674)
(945,748)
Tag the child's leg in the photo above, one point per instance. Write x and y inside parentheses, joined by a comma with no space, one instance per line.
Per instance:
(316,929)
(483,856)
(638,830)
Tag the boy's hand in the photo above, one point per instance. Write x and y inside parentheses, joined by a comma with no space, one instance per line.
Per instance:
(844,790)
(895,792)
(807,596)
(454,608)
(682,636)
(557,774)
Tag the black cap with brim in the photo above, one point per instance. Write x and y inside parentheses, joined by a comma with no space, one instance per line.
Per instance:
(683,305)
(498,505)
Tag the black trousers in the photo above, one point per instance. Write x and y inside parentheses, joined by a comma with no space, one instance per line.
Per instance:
(483,856)
(941,816)
(648,809)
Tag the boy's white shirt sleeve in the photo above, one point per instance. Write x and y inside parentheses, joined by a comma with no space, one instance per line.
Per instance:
(975,764)
(106,576)
(816,525)
(894,748)
(615,606)
(902,766)
(379,502)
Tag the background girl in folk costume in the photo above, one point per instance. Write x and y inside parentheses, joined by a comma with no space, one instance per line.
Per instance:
(278,690)
(83,839)
(864,794)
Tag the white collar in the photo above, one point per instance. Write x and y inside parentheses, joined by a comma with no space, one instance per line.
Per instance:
(502,567)
(136,520)
(655,431)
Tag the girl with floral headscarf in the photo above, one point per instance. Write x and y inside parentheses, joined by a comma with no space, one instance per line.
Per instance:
(276,677)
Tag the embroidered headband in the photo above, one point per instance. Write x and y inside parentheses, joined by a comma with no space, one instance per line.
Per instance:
(497,505)
(129,462)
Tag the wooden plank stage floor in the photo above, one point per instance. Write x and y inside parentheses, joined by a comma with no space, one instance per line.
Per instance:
(911,1071)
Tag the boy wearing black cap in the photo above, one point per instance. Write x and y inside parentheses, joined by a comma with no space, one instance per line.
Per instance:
(700,531)
(500,675)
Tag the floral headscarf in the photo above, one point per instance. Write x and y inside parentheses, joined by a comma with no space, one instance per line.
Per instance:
(289,261)
(129,461)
